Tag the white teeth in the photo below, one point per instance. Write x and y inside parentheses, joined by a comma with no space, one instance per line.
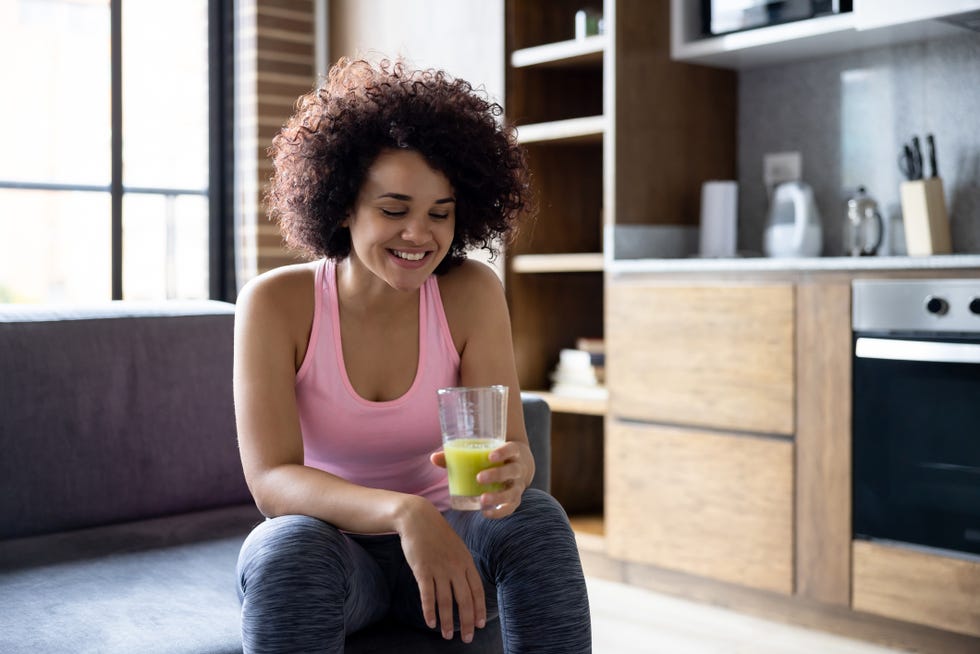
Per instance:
(409,256)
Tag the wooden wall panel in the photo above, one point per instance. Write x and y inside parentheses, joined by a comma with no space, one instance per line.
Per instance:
(577,462)
(823,442)
(674,122)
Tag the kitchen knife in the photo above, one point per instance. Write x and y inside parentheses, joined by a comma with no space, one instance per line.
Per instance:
(917,154)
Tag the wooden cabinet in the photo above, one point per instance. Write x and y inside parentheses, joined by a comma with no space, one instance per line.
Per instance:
(719,355)
(616,133)
(711,504)
(682,357)
(728,458)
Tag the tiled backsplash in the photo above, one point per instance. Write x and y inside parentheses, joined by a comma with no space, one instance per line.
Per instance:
(848,116)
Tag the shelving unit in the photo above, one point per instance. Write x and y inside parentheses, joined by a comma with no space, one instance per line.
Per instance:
(597,115)
(554,273)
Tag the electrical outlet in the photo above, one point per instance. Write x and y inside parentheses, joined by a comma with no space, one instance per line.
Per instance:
(778,167)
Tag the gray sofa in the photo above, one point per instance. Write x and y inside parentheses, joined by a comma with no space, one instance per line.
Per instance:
(122,505)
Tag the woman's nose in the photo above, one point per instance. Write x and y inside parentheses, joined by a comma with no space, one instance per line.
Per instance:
(416,229)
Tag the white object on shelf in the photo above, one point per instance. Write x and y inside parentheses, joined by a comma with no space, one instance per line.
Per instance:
(719,218)
(574,376)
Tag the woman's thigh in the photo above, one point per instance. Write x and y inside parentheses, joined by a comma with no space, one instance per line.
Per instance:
(298,565)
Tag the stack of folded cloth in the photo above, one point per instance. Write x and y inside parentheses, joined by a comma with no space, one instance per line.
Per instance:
(580,373)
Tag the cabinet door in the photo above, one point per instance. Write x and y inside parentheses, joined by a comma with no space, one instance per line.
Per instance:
(714,356)
(710,504)
(917,586)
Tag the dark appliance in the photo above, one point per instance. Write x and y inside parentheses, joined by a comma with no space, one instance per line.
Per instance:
(724,16)
(916,412)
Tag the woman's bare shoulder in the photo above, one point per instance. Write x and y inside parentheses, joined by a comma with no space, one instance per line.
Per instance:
(473,299)
(286,292)
(469,283)
(284,280)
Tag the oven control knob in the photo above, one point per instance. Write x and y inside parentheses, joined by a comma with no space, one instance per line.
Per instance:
(975,305)
(936,305)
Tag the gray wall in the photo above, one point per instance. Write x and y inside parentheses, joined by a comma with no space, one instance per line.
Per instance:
(847,115)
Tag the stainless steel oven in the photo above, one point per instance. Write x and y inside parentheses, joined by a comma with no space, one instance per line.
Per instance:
(916,412)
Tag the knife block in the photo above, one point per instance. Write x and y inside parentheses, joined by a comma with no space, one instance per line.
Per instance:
(924,215)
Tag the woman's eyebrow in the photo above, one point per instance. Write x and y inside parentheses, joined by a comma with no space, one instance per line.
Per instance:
(406,198)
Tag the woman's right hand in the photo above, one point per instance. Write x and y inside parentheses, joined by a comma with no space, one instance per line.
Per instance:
(443,568)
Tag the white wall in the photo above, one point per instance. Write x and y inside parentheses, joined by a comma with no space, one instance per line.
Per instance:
(464,37)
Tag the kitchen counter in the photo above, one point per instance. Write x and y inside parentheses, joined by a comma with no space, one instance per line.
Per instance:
(618,267)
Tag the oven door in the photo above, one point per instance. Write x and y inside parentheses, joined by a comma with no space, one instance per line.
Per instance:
(916,440)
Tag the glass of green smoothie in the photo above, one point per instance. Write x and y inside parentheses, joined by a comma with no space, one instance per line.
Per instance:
(474,423)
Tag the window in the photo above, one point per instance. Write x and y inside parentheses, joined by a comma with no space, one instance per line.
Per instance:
(107,184)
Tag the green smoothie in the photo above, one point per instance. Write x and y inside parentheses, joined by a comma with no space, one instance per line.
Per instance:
(465,457)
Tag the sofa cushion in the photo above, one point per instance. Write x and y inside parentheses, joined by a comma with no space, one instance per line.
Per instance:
(115,412)
(164,586)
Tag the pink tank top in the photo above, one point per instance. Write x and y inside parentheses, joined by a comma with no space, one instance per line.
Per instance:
(377,444)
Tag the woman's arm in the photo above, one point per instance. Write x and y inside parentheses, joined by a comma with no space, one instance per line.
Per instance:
(480,321)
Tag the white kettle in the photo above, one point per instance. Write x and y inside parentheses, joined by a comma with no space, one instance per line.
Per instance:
(793,227)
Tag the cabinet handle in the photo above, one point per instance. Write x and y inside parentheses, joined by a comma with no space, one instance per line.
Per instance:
(928,351)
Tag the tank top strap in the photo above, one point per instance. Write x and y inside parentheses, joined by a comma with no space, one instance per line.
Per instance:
(436,324)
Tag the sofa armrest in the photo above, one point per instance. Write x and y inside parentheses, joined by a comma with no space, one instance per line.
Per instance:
(537,420)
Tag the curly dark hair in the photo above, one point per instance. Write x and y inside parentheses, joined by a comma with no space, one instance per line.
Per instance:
(322,155)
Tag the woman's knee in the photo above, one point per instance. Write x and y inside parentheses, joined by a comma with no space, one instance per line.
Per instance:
(540,508)
(293,549)
(539,524)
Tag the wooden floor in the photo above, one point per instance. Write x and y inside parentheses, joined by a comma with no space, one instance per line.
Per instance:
(630,620)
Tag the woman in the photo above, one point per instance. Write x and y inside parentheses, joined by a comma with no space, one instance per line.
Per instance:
(386,177)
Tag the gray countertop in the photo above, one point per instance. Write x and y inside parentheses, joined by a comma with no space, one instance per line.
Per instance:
(617,267)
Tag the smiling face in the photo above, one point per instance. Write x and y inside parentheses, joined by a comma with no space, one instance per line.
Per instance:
(403,221)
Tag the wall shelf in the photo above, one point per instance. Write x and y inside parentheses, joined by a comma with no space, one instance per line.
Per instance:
(577,53)
(564,404)
(557,263)
(588,129)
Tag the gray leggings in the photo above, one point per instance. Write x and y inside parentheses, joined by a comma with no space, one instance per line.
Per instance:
(305,585)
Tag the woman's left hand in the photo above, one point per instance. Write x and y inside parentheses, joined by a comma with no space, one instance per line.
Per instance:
(513,476)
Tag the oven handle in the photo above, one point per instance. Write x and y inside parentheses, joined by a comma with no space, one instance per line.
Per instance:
(929,351)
